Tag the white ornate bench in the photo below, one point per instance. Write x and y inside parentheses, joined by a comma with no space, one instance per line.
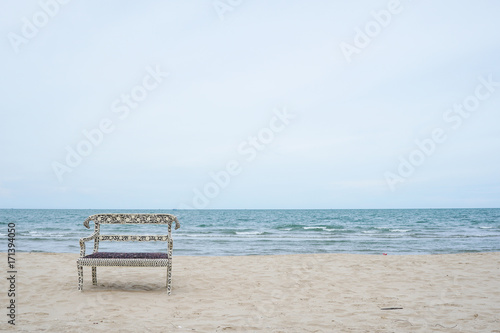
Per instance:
(126,259)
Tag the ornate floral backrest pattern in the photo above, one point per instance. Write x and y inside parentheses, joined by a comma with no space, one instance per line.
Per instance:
(99,219)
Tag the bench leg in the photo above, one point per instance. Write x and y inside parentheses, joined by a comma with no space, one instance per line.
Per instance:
(80,277)
(94,275)
(169,278)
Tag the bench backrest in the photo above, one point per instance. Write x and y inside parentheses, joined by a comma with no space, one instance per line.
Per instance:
(99,219)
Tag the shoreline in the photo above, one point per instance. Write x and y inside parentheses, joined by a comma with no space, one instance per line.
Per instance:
(266,293)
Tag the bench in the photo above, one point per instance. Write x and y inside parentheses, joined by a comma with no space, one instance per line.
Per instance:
(162,259)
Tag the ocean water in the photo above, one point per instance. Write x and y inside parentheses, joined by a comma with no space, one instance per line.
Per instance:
(262,232)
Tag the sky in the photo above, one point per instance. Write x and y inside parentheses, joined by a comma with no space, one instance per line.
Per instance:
(234,104)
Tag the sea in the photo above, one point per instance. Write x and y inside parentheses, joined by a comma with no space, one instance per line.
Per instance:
(268,232)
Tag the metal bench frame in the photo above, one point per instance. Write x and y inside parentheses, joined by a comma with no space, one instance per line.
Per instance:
(99,219)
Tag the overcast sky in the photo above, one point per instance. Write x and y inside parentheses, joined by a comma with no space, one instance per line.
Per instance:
(249,104)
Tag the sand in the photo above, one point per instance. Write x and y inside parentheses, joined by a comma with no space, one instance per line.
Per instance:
(288,293)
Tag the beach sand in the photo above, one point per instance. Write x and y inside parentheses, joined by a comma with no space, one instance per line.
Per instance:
(286,293)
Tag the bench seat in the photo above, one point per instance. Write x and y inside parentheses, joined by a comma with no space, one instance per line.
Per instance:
(125,259)
(128,255)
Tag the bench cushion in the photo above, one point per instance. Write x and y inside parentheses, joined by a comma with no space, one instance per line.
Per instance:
(126,255)
(125,259)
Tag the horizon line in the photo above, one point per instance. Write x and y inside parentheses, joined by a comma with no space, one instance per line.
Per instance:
(195,209)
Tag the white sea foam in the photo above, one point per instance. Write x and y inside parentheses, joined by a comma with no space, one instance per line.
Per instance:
(35,233)
(249,232)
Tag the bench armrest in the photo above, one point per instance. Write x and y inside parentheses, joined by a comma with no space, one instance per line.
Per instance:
(86,239)
(170,247)
(177,224)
